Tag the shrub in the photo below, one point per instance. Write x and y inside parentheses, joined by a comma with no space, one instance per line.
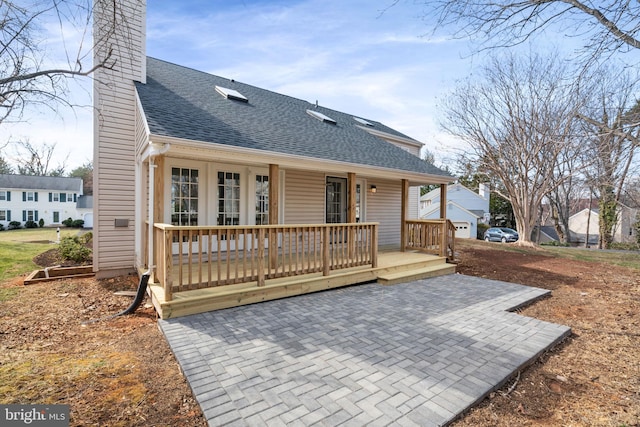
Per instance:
(555,243)
(41,223)
(624,246)
(71,248)
(73,223)
(15,225)
(481,229)
(1,227)
(30,224)
(87,237)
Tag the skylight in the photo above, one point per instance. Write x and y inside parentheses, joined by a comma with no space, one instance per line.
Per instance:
(231,94)
(362,121)
(318,115)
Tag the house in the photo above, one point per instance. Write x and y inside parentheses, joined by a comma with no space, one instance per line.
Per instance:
(588,220)
(33,198)
(544,234)
(465,208)
(213,186)
(582,223)
(85,210)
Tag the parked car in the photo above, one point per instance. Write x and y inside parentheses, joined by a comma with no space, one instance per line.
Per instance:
(501,234)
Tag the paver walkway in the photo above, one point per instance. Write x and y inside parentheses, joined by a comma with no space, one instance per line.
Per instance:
(418,353)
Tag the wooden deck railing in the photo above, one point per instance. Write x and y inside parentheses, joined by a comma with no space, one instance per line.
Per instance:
(189,258)
(436,236)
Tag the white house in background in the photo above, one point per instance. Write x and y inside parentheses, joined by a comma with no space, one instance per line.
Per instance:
(31,198)
(85,210)
(465,208)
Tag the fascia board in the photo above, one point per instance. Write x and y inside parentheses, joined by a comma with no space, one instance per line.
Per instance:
(220,152)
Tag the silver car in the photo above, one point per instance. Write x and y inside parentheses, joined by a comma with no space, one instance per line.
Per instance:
(501,234)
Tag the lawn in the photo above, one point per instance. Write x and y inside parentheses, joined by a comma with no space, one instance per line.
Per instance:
(19,247)
(629,259)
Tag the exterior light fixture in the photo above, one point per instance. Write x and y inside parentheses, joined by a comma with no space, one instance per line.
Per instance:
(373,189)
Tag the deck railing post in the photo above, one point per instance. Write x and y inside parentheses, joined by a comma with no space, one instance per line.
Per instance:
(374,246)
(273,248)
(261,245)
(168,265)
(444,233)
(326,264)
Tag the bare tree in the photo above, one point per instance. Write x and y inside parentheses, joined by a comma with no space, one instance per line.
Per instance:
(28,75)
(36,159)
(612,127)
(516,118)
(562,193)
(608,26)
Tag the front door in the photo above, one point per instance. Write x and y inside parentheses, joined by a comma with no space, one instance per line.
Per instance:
(336,200)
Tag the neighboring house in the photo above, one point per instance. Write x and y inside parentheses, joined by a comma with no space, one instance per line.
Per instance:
(85,210)
(465,208)
(544,234)
(623,232)
(32,198)
(193,172)
(582,223)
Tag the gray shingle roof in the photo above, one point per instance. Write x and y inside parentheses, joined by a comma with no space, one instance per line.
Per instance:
(183,103)
(29,182)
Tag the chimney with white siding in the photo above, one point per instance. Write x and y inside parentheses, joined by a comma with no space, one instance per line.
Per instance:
(120,36)
(483,190)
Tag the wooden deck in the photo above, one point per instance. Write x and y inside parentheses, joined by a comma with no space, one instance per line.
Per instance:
(392,267)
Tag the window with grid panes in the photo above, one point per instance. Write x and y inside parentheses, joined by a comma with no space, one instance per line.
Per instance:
(184,196)
(262,199)
(228,198)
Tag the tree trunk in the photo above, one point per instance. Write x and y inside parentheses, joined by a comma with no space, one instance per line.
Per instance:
(607,216)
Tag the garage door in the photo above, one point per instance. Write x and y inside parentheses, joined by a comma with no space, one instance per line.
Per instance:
(463,230)
(88,220)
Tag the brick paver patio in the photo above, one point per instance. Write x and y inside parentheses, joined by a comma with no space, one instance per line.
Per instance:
(414,354)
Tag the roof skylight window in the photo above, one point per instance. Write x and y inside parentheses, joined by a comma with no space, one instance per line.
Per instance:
(362,121)
(318,115)
(231,94)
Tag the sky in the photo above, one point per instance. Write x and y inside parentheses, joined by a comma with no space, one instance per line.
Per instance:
(376,59)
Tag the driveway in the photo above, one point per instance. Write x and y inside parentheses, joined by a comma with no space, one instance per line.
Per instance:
(414,354)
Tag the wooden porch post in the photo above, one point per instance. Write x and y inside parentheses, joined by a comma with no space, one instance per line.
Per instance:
(443,201)
(274,190)
(443,215)
(351,212)
(351,194)
(158,207)
(403,215)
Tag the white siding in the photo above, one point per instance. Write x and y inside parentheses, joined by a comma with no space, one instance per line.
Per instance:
(304,197)
(384,207)
(114,127)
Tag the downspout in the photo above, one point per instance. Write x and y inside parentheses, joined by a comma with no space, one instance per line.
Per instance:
(154,150)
